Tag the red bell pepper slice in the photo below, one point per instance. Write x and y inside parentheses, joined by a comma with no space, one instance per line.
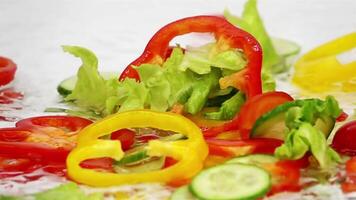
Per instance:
(157,48)
(254,108)
(7,70)
(67,123)
(228,148)
(344,139)
(36,137)
(126,137)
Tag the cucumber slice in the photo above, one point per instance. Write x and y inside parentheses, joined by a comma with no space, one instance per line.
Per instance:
(254,159)
(231,181)
(138,154)
(133,155)
(284,47)
(67,85)
(150,164)
(272,124)
(182,193)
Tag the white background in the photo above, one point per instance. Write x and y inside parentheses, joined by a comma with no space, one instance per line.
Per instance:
(31,33)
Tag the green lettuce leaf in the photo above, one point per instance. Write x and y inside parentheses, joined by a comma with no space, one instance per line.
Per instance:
(268,83)
(229,108)
(69,191)
(303,136)
(201,59)
(10,198)
(307,138)
(157,85)
(132,95)
(253,23)
(91,90)
(160,87)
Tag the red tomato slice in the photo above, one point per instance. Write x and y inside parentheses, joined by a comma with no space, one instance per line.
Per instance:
(230,148)
(350,184)
(285,176)
(351,169)
(255,107)
(126,137)
(103,164)
(7,70)
(249,113)
(344,139)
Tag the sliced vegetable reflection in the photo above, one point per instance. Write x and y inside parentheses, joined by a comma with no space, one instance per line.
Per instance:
(190,153)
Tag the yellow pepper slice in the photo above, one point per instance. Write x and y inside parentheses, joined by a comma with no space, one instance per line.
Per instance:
(190,153)
(321,70)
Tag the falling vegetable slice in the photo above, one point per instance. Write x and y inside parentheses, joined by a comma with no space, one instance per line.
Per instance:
(231,181)
(7,70)
(329,67)
(190,153)
(230,36)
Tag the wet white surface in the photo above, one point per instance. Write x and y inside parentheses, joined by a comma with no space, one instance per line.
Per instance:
(31,33)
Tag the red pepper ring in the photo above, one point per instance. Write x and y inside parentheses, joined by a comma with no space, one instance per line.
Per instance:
(69,123)
(158,47)
(15,143)
(7,70)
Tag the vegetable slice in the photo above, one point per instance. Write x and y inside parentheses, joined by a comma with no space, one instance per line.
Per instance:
(67,85)
(231,181)
(7,70)
(254,159)
(329,67)
(285,47)
(272,124)
(182,193)
(344,140)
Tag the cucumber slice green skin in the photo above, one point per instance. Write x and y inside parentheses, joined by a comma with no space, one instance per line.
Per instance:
(137,154)
(134,155)
(182,193)
(231,181)
(271,124)
(254,159)
(67,85)
(144,166)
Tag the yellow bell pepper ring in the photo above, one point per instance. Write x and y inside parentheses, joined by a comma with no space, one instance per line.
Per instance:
(322,69)
(190,153)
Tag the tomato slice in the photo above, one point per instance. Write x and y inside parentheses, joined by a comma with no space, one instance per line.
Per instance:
(230,148)
(350,184)
(126,137)
(344,139)
(285,176)
(254,108)
(103,164)
(7,70)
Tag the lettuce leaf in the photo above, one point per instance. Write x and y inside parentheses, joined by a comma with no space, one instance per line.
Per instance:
(201,59)
(307,138)
(253,23)
(160,87)
(303,136)
(89,81)
(274,60)
(229,108)
(69,191)
(10,198)
(103,97)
